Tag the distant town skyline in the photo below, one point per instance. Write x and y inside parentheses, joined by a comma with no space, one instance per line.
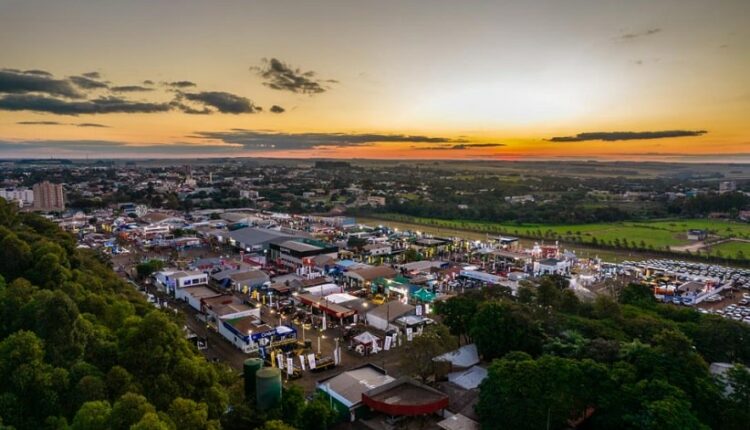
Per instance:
(663,80)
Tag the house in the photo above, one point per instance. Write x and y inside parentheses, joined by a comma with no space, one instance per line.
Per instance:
(345,390)
(173,281)
(249,334)
(227,306)
(382,316)
(376,200)
(194,295)
(695,234)
(727,187)
(250,279)
(375,249)
(552,266)
(358,278)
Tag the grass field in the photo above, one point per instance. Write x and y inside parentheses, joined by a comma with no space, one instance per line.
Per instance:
(731,249)
(657,235)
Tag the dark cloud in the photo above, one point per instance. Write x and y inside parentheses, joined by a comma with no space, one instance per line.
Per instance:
(191,110)
(91,124)
(101,105)
(103,147)
(277,109)
(17,82)
(260,140)
(631,36)
(38,123)
(87,83)
(38,72)
(92,75)
(130,89)
(181,84)
(462,146)
(222,101)
(280,76)
(611,136)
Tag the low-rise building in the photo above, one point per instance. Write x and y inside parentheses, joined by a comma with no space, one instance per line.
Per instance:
(345,390)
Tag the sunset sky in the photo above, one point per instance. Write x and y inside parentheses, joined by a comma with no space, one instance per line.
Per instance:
(606,79)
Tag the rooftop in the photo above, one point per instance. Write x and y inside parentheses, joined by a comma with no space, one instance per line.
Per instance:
(350,385)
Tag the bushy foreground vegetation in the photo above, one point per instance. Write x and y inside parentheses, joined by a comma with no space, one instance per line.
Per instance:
(80,349)
(626,364)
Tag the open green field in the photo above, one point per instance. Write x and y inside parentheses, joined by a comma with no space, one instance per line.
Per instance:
(733,249)
(656,235)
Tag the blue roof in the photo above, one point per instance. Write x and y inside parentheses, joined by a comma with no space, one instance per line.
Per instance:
(346,263)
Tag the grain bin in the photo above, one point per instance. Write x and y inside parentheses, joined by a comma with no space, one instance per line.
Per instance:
(268,387)
(249,369)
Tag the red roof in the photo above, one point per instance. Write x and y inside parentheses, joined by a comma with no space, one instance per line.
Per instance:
(405,397)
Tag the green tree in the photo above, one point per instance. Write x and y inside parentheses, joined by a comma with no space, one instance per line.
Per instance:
(522,393)
(276,425)
(500,327)
(148,268)
(92,416)
(318,415)
(417,355)
(128,410)
(457,313)
(188,415)
(151,421)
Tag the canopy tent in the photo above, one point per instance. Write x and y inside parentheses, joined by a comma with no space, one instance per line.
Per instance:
(424,295)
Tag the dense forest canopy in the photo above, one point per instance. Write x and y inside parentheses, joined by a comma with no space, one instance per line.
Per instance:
(630,364)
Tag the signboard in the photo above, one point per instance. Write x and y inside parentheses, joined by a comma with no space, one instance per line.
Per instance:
(419,310)
(280,360)
(409,334)
(289,366)
(387,345)
(302,362)
(311,360)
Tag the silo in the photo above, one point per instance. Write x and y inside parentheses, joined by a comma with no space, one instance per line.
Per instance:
(250,368)
(268,387)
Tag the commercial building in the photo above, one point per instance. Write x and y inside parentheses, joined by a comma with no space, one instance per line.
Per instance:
(295,253)
(346,389)
(173,281)
(48,197)
(23,196)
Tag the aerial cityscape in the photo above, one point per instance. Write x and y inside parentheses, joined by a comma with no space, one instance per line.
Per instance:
(374,215)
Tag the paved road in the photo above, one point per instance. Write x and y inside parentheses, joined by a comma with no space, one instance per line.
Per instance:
(220,350)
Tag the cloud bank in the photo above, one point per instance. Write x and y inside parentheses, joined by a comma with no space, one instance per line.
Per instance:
(266,140)
(612,136)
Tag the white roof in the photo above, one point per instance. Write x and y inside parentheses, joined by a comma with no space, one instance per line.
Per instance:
(337,298)
(322,290)
(458,422)
(466,356)
(348,387)
(468,379)
(366,337)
